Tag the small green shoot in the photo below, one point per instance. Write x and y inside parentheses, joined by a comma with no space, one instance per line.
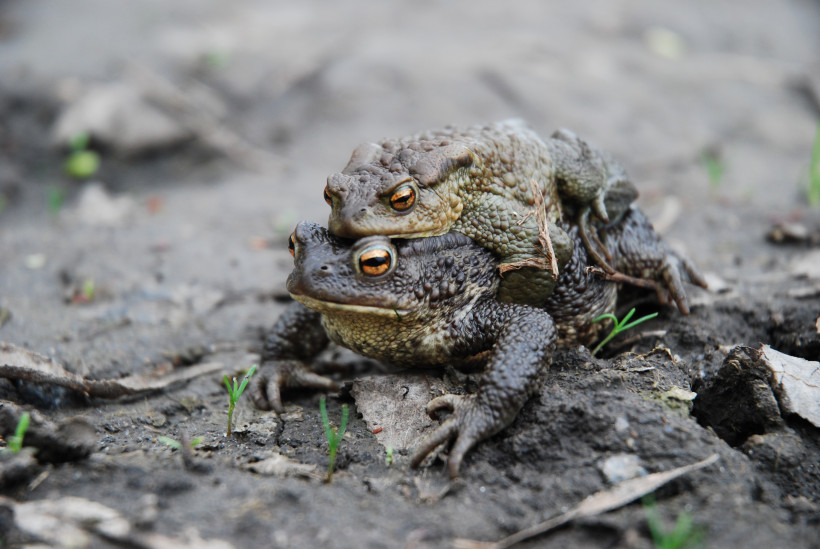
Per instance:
(334,435)
(684,535)
(714,167)
(216,60)
(619,326)
(55,197)
(15,442)
(81,163)
(177,445)
(813,190)
(397,313)
(388,458)
(235,392)
(88,289)
(284,222)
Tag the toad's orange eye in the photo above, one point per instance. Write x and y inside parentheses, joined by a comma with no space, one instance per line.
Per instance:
(328,198)
(292,246)
(403,198)
(375,260)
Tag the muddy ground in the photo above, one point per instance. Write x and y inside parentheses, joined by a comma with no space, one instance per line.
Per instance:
(180,245)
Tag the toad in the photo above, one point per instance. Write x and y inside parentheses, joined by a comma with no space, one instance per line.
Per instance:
(484,182)
(432,302)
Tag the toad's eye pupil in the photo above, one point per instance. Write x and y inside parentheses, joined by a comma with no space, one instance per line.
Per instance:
(328,198)
(291,246)
(403,198)
(375,261)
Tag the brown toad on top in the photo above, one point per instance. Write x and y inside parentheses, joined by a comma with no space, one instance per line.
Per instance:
(431,301)
(484,182)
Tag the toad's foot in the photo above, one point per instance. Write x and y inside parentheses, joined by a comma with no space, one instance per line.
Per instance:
(675,269)
(640,252)
(469,423)
(276,375)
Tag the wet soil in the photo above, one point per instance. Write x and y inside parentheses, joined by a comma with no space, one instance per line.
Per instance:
(192,268)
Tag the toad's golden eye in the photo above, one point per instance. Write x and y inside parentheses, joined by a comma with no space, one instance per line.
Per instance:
(292,246)
(328,198)
(403,198)
(375,260)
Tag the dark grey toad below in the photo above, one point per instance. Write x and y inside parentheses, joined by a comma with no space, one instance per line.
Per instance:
(431,301)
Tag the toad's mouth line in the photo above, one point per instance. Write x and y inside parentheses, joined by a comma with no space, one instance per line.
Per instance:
(322,305)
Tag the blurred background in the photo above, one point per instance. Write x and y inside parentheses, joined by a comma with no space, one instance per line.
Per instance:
(158,145)
(155,155)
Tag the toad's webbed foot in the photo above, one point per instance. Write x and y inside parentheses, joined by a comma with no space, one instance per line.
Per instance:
(469,423)
(675,269)
(274,376)
(639,251)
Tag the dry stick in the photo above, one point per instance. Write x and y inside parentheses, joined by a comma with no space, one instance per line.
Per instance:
(204,125)
(625,342)
(17,363)
(621,277)
(544,239)
(619,495)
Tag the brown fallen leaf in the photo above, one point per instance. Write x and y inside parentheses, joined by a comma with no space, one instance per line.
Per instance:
(619,495)
(25,365)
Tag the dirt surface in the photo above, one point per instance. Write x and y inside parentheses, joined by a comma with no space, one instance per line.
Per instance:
(181,246)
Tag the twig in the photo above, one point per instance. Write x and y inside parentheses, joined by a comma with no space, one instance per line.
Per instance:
(17,363)
(619,495)
(618,276)
(549,260)
(637,337)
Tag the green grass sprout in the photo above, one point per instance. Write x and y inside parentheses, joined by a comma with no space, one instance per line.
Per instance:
(235,392)
(89,289)
(81,163)
(619,326)
(15,441)
(388,458)
(55,196)
(684,535)
(813,191)
(714,167)
(334,435)
(177,445)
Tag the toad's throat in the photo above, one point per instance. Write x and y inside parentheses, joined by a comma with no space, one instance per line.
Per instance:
(322,305)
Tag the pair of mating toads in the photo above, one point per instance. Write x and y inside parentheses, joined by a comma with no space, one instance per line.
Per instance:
(473,244)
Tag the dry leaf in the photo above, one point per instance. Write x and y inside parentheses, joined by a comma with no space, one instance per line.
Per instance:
(796,383)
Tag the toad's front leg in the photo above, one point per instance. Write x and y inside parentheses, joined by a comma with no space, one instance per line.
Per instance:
(296,338)
(522,340)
